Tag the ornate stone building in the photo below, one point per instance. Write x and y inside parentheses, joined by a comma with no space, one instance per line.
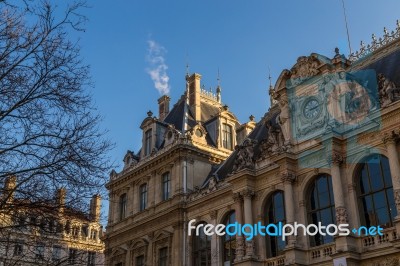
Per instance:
(325,152)
(48,233)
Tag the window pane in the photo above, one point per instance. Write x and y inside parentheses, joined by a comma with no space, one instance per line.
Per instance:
(375,176)
(378,203)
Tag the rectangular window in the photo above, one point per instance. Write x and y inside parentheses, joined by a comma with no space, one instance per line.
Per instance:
(163,257)
(56,254)
(147,142)
(166,183)
(143,196)
(93,234)
(227,140)
(39,252)
(122,206)
(140,261)
(91,259)
(18,249)
(72,258)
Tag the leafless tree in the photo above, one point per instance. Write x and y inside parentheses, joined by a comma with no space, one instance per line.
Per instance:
(49,130)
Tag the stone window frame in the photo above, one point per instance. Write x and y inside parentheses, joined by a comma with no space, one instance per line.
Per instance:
(164,240)
(139,248)
(385,189)
(266,207)
(311,185)
(145,202)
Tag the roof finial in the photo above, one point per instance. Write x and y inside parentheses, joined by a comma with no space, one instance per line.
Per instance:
(269,77)
(187,65)
(218,79)
(219,88)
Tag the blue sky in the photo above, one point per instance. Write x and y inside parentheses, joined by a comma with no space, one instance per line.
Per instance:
(241,38)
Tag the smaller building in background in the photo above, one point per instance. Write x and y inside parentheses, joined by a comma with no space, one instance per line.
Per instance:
(48,233)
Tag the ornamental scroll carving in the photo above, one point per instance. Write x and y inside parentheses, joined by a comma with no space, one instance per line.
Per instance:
(245,155)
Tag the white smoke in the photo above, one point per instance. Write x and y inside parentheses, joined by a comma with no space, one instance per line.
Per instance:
(157,67)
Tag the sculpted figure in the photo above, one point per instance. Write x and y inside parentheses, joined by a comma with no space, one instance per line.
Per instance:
(388,91)
(283,120)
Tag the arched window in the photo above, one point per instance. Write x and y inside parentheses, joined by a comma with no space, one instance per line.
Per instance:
(321,207)
(376,192)
(275,213)
(229,242)
(201,249)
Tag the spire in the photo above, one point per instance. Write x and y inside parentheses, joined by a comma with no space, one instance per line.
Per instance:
(271,90)
(218,88)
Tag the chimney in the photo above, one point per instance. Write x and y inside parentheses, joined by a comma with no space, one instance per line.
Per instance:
(60,198)
(194,95)
(163,107)
(9,188)
(95,203)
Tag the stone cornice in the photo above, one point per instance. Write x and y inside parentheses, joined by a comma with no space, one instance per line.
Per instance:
(154,161)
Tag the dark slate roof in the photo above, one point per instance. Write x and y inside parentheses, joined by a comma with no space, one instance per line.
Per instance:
(259,133)
(208,111)
(175,116)
(389,66)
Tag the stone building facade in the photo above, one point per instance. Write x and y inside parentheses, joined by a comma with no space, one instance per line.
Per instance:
(325,152)
(48,233)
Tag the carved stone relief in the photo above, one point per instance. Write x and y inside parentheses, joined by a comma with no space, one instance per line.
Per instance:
(388,91)
(245,156)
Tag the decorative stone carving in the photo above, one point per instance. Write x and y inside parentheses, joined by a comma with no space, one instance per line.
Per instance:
(397,199)
(247,193)
(212,184)
(275,143)
(305,67)
(390,137)
(336,158)
(113,174)
(237,197)
(244,157)
(283,121)
(341,215)
(130,160)
(388,91)
(213,214)
(287,177)
(240,248)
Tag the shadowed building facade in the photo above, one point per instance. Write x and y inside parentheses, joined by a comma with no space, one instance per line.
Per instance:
(325,152)
(48,232)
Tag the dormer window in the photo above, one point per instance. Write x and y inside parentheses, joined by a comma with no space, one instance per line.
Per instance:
(147,142)
(227,138)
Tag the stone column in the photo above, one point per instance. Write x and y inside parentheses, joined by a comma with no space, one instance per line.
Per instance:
(288,179)
(248,219)
(239,239)
(128,261)
(390,141)
(214,241)
(341,212)
(177,242)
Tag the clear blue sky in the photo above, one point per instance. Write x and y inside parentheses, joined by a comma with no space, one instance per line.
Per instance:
(241,38)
